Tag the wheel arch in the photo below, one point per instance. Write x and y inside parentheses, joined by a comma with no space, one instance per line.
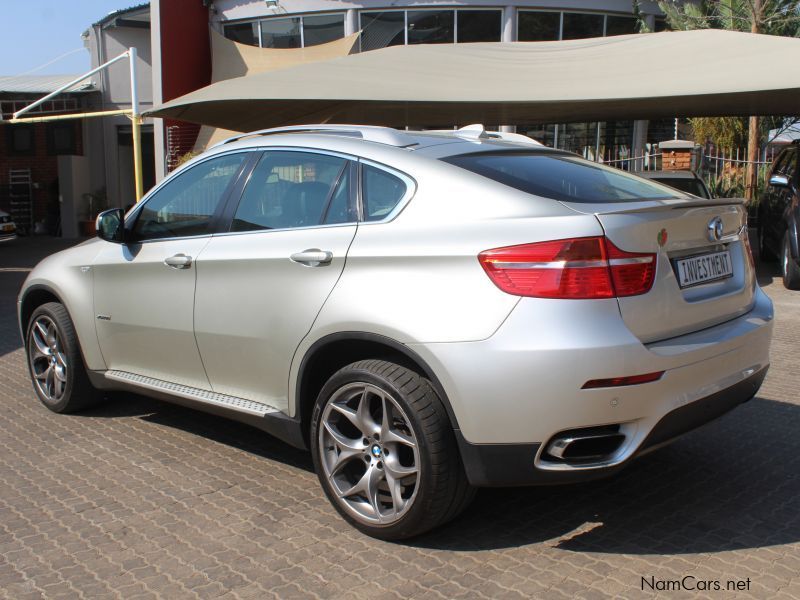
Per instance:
(332,352)
(33,297)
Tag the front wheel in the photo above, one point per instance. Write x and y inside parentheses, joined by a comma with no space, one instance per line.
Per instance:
(55,362)
(789,266)
(385,452)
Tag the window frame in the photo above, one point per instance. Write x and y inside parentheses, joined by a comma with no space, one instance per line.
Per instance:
(257,24)
(562,12)
(216,219)
(454,9)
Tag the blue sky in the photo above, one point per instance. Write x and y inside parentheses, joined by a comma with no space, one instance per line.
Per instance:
(37,31)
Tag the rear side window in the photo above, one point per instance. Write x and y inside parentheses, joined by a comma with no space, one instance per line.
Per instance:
(561,177)
(380,192)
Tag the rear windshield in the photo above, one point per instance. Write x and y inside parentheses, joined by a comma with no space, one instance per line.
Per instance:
(561,177)
(692,186)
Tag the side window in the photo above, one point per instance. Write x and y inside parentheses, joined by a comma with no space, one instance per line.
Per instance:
(789,166)
(185,205)
(293,189)
(380,192)
(779,163)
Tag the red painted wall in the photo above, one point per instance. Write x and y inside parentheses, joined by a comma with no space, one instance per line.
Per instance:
(185,47)
(185,57)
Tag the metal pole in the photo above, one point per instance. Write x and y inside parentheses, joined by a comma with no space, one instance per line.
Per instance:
(48,118)
(136,121)
(69,85)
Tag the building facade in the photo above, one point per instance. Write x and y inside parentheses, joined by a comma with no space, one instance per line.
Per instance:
(304,23)
(30,153)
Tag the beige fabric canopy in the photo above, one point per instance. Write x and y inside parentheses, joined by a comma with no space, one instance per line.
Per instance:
(645,76)
(230,59)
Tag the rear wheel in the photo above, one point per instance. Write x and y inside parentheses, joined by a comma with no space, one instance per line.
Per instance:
(55,362)
(385,452)
(789,266)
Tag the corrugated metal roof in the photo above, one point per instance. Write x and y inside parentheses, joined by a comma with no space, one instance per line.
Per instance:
(35,84)
(123,11)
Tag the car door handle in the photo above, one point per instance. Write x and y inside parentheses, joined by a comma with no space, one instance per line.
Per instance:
(313,257)
(179,261)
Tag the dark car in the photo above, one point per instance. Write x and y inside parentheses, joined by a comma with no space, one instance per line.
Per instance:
(778,216)
(685,181)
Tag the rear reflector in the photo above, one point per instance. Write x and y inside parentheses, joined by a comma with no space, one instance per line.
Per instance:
(578,268)
(621,381)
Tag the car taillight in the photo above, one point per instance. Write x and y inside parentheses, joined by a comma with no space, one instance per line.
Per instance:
(579,268)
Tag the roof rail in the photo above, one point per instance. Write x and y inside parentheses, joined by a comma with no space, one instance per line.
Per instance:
(371,133)
(478,132)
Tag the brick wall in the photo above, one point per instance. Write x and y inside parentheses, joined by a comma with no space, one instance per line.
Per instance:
(42,162)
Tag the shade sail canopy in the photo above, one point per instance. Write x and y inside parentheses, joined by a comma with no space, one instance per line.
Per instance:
(644,76)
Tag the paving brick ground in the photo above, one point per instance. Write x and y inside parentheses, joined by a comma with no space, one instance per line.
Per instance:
(140,499)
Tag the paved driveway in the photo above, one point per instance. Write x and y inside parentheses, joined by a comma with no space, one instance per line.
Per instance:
(142,499)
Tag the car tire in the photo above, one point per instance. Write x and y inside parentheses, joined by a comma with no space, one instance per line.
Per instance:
(385,453)
(789,266)
(55,362)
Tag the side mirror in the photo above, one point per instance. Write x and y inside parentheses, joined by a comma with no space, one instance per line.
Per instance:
(110,227)
(780,181)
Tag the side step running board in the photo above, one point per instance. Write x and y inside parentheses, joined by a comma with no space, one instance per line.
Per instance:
(264,417)
(190,393)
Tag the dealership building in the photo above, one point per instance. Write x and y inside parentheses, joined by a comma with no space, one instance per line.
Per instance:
(183,55)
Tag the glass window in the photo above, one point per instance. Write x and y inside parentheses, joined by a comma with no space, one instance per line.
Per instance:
(545,134)
(61,138)
(341,209)
(187,202)
(561,177)
(620,25)
(689,185)
(478,25)
(380,192)
(538,26)
(320,29)
(577,137)
(430,27)
(281,33)
(789,167)
(20,139)
(244,33)
(582,25)
(382,29)
(288,189)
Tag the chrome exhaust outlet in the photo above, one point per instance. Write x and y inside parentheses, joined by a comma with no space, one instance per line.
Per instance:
(585,445)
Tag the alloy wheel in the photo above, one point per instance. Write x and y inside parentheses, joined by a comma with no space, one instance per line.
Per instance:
(369,453)
(47,359)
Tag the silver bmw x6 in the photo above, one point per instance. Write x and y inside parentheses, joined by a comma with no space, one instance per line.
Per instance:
(427,312)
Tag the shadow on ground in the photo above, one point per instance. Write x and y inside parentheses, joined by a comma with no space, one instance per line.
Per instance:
(719,488)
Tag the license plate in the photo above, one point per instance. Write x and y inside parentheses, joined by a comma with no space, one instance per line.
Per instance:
(7,227)
(704,268)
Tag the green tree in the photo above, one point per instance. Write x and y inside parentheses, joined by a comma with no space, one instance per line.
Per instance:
(772,17)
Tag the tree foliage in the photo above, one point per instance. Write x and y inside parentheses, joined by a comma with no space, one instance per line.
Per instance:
(772,17)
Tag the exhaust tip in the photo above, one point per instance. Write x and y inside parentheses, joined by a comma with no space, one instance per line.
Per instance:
(591,444)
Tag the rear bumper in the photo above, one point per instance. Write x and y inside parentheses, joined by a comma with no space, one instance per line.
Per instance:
(492,465)
(516,393)
(7,236)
